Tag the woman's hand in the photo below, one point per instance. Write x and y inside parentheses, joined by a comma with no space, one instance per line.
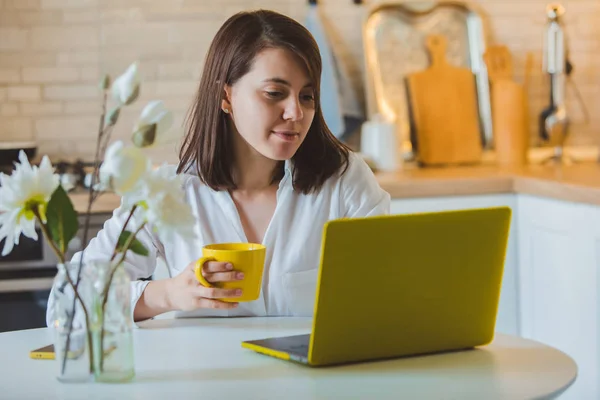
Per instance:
(185,293)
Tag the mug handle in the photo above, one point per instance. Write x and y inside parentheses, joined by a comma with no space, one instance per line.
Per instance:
(198,270)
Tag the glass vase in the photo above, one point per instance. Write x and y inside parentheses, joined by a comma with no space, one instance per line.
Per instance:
(111,323)
(72,341)
(100,339)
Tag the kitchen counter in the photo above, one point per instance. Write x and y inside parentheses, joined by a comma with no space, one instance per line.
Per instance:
(576,183)
(106,203)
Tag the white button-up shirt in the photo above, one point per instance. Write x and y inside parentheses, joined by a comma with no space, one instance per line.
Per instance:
(292,238)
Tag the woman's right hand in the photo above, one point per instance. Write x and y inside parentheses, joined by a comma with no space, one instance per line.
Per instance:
(186,293)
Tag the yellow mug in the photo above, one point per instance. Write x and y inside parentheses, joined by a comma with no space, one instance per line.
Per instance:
(248,258)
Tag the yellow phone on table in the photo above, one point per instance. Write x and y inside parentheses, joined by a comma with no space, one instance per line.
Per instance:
(43,353)
(47,353)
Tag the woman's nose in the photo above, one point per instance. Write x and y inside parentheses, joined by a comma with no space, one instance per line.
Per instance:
(293,110)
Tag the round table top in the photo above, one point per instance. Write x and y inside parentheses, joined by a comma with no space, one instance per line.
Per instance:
(203,358)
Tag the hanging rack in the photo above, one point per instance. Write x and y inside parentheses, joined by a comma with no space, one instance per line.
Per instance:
(314,2)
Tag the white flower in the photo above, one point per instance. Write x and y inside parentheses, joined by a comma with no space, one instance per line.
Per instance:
(126,87)
(153,126)
(123,167)
(161,200)
(155,112)
(26,190)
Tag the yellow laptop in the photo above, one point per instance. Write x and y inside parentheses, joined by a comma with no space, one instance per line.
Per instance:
(400,285)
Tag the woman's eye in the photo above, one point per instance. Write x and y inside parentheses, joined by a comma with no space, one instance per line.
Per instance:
(308,97)
(274,95)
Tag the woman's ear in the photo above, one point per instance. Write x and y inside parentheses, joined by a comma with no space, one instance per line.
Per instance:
(226,101)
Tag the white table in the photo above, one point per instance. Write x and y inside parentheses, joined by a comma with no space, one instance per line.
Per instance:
(203,359)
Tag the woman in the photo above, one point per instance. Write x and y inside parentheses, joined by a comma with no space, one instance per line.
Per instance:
(260,166)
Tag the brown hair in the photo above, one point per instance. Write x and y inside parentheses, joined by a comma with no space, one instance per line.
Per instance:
(208,142)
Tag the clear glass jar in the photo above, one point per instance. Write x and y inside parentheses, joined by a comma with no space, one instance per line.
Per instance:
(71,341)
(100,345)
(111,323)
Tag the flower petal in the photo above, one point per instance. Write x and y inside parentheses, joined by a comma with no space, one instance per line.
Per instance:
(27,187)
(125,86)
(152,112)
(123,167)
(155,112)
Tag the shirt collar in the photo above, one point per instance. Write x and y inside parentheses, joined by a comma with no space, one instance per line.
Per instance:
(288,166)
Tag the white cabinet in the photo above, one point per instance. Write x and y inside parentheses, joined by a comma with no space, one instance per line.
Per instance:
(508,315)
(559,256)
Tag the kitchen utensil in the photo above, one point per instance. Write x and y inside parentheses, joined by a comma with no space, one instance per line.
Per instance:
(393,33)
(509,108)
(554,121)
(499,63)
(528,70)
(443,100)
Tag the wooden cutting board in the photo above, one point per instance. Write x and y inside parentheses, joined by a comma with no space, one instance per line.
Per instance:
(510,119)
(443,103)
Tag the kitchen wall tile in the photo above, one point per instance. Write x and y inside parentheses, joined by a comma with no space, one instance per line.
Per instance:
(24,93)
(50,74)
(13,38)
(9,109)
(80,17)
(167,88)
(22,4)
(86,107)
(9,75)
(67,128)
(52,53)
(16,129)
(71,92)
(90,74)
(41,109)
(56,149)
(82,57)
(70,3)
(64,37)
(118,15)
(134,34)
(26,58)
(27,19)
(177,70)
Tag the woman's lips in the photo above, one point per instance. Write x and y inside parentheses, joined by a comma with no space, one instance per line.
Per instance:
(288,136)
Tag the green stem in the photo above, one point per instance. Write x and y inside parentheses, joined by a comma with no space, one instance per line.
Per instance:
(46,233)
(114,254)
(77,297)
(108,284)
(85,233)
(101,146)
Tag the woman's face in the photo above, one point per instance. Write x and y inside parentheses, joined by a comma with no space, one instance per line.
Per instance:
(272,106)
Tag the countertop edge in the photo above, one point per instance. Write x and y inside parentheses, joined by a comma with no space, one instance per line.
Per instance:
(466,186)
(557,190)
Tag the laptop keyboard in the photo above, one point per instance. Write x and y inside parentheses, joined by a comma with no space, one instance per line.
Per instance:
(297,344)
(301,349)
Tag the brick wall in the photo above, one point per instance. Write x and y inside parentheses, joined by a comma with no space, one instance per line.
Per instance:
(52,53)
